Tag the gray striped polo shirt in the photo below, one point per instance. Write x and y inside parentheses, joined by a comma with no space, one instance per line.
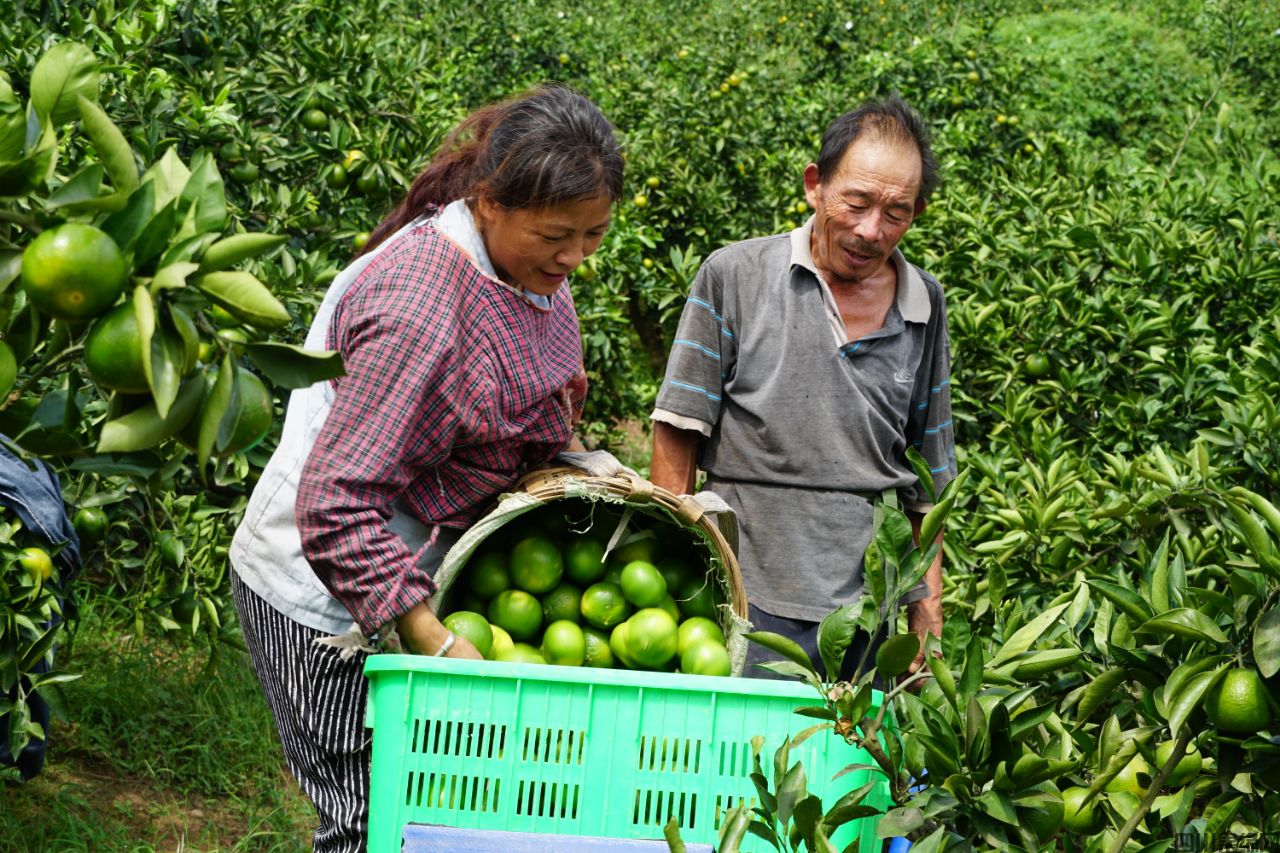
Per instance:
(801,424)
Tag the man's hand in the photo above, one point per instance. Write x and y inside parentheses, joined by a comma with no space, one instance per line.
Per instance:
(924,617)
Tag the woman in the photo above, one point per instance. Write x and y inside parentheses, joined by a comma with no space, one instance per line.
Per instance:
(463,368)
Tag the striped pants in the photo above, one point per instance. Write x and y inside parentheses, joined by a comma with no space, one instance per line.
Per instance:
(318,702)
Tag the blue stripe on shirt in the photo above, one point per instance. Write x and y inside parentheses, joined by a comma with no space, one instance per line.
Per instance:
(696,388)
(941,426)
(699,347)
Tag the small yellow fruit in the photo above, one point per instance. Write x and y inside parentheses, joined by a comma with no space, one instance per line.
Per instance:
(640,200)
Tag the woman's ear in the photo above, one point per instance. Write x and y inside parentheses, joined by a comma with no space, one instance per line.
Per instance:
(485,210)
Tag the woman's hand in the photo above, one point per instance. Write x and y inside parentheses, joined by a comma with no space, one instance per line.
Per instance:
(423,634)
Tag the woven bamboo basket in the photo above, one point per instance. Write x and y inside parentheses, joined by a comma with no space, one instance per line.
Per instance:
(545,486)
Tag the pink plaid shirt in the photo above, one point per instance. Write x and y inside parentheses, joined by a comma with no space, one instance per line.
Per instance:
(455,385)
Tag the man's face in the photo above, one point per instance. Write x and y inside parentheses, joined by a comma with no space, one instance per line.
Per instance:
(862,211)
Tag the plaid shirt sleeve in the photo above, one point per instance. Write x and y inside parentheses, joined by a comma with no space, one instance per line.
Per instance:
(393,413)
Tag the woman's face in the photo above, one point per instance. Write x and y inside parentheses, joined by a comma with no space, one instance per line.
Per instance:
(538,248)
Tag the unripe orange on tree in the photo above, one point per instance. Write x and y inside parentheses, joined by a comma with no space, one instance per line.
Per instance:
(113,351)
(1238,704)
(73,271)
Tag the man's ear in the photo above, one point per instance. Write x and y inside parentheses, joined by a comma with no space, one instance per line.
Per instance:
(811,184)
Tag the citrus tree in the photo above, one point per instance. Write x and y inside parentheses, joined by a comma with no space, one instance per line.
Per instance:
(133,343)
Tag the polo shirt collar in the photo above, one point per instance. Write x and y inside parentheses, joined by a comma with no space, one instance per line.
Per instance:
(913,295)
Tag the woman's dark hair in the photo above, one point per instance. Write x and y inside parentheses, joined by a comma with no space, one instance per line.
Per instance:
(544,147)
(891,120)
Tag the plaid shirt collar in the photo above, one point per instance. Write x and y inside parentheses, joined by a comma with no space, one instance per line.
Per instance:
(457,224)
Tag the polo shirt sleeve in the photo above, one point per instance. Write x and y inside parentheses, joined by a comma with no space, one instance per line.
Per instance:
(702,357)
(929,429)
(393,412)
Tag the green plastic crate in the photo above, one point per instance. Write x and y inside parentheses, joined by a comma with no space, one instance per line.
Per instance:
(568,751)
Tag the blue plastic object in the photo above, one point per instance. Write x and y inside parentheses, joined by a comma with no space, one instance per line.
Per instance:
(422,838)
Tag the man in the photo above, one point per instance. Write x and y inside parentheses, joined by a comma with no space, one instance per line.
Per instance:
(804,366)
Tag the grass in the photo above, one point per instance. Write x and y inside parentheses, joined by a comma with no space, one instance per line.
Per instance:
(167,748)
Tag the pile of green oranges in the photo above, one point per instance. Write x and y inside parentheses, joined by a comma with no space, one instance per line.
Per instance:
(547,590)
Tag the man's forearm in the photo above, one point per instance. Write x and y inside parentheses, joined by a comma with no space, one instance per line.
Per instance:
(675,451)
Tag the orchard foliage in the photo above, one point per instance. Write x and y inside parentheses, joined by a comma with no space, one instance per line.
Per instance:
(1106,233)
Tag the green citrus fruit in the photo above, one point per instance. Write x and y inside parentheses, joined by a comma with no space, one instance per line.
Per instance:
(563,602)
(1238,703)
(91,525)
(517,612)
(487,575)
(652,637)
(354,161)
(1133,778)
(73,271)
(618,645)
(535,565)
(8,369)
(584,560)
(502,642)
(370,180)
(1185,770)
(604,606)
(521,653)
(360,240)
(184,607)
(699,597)
(221,317)
(563,644)
(1044,818)
(1081,819)
(113,351)
(676,572)
(231,152)
(597,645)
(473,627)
(705,657)
(669,604)
(643,584)
(1037,365)
(256,413)
(697,628)
(640,546)
(244,173)
(37,563)
(337,178)
(315,119)
(173,551)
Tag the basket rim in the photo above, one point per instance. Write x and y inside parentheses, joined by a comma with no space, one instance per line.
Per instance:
(549,483)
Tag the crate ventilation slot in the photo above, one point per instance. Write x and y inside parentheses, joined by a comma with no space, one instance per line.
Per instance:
(452,791)
(553,746)
(725,802)
(735,759)
(670,755)
(454,737)
(655,808)
(547,799)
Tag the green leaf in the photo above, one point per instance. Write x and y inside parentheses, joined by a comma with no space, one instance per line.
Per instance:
(245,297)
(156,235)
(230,251)
(1190,697)
(205,194)
(290,366)
(173,276)
(921,467)
(835,633)
(896,654)
(36,166)
(125,225)
(87,184)
(1036,665)
(1026,636)
(784,646)
(217,402)
(1266,643)
(1184,622)
(169,175)
(971,675)
(145,427)
(900,822)
(66,71)
(111,145)
(1099,691)
(1160,577)
(1126,600)
(998,806)
(792,789)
